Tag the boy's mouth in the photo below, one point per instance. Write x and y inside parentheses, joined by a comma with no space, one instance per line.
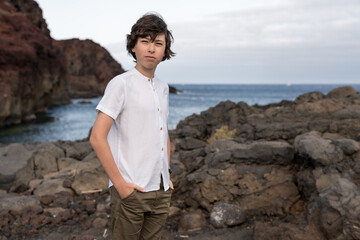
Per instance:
(150,58)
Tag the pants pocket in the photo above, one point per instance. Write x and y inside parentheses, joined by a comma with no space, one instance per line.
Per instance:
(131,195)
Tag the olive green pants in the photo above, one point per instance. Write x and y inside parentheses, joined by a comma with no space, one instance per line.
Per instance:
(141,215)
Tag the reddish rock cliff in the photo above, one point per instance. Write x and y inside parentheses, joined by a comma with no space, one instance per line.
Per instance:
(90,67)
(37,71)
(32,73)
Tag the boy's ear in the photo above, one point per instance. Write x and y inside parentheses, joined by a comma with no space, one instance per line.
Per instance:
(132,50)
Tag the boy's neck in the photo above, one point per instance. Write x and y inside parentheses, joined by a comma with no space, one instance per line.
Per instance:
(146,72)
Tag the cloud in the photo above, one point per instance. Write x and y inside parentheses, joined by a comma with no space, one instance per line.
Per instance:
(301,41)
(301,22)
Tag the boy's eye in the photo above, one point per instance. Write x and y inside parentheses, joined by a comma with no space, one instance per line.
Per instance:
(159,44)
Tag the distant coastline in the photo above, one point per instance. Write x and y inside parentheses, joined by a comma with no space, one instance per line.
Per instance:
(73,121)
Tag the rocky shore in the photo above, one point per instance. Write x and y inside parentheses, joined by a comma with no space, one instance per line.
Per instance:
(288,170)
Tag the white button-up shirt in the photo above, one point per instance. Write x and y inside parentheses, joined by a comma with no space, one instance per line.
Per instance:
(138,135)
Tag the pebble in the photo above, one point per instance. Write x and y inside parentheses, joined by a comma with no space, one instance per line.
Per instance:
(2,193)
(99,223)
(61,202)
(67,183)
(87,237)
(47,199)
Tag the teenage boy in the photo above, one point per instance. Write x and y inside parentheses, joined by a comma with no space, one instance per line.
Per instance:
(130,135)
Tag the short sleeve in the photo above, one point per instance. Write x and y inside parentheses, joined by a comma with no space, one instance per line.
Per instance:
(113,101)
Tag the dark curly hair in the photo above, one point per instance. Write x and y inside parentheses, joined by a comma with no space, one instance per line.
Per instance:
(150,25)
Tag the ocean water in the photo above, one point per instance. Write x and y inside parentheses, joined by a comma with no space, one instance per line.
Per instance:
(73,121)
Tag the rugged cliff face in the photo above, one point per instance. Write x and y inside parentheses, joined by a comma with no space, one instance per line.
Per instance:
(90,67)
(32,71)
(37,71)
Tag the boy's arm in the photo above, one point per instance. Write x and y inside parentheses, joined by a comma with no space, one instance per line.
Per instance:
(98,140)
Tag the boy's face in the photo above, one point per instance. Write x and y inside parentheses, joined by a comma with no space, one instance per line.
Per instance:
(149,53)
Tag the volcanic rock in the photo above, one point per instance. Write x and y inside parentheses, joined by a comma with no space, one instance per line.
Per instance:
(37,72)
(13,158)
(32,70)
(90,67)
(223,215)
(18,203)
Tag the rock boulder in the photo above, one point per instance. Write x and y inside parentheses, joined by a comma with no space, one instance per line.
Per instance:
(318,150)
(18,203)
(224,215)
(14,158)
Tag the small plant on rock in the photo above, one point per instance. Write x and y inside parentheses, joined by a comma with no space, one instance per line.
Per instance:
(222,133)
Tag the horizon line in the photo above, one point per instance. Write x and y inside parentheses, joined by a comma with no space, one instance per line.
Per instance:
(286,84)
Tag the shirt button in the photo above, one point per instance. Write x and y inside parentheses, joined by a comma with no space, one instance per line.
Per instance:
(160,128)
(158,109)
(149,80)
(162,149)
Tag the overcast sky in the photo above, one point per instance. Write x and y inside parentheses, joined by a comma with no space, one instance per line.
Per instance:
(229,41)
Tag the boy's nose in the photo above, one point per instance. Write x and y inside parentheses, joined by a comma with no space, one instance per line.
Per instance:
(151,47)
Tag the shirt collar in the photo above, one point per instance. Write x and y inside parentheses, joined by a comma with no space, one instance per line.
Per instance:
(140,75)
